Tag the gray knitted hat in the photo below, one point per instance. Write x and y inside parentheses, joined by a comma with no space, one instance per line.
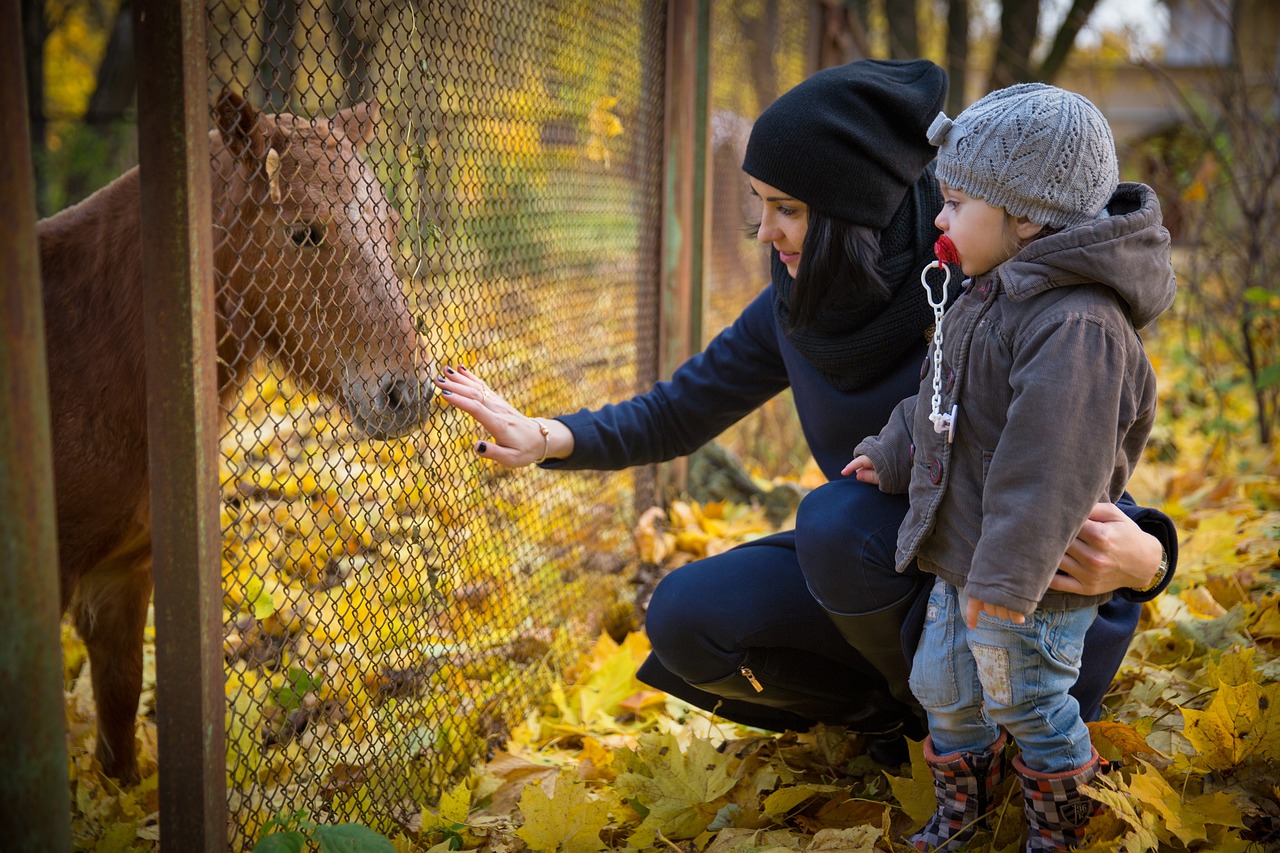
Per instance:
(1035,150)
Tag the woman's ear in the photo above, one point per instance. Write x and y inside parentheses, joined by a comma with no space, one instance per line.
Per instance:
(1025,228)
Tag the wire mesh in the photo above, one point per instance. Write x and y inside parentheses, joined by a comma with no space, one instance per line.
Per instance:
(408,186)
(759,49)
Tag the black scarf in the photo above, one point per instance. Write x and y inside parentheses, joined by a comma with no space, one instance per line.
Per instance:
(856,340)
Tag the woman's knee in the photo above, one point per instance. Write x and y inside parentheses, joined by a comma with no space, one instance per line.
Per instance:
(846,541)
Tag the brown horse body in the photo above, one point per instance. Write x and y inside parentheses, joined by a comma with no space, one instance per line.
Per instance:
(303,262)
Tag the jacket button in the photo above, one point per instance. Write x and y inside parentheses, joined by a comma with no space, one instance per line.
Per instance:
(951,380)
(935,471)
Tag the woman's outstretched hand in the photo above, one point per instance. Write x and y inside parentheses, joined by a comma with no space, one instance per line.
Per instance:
(1110,552)
(518,439)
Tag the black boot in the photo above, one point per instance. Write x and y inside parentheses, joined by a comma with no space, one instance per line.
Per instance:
(816,690)
(877,636)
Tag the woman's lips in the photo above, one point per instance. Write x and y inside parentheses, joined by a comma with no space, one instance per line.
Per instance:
(788,258)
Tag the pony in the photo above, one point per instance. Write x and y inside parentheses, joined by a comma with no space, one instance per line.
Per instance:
(305,275)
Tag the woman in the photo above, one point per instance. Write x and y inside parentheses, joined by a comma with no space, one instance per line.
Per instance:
(814,625)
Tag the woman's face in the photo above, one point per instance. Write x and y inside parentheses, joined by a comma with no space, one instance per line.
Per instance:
(783,223)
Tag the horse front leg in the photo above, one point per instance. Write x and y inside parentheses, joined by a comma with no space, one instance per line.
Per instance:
(111,615)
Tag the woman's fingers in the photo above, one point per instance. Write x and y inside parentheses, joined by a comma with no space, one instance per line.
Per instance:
(514,437)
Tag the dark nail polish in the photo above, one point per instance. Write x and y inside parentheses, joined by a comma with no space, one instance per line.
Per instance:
(481,447)
(446,392)
(448,370)
(439,378)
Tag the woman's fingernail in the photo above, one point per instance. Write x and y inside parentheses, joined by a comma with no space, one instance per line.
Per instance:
(481,448)
(448,370)
(446,392)
(439,378)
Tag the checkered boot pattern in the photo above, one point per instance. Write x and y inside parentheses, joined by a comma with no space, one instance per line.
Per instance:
(1057,810)
(965,783)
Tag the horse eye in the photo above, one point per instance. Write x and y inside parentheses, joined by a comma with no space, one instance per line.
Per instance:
(306,235)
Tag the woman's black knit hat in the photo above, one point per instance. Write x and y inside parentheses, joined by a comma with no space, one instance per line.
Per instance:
(850,140)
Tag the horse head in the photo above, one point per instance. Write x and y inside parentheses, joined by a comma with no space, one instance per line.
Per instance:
(304,246)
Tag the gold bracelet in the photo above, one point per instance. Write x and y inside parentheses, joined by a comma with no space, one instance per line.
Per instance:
(546,439)
(1160,573)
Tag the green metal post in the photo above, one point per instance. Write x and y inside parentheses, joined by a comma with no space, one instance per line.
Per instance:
(35,804)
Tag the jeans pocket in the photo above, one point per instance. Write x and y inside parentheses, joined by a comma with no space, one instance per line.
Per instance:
(933,678)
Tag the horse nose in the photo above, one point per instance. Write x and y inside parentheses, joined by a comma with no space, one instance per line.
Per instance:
(402,398)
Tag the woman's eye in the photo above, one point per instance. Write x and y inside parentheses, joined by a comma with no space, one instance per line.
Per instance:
(306,235)
(787,211)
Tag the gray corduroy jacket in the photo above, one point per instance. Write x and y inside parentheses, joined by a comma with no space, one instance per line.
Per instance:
(1056,399)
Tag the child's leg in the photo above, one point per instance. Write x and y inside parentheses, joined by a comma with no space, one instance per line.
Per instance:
(964,751)
(945,679)
(1025,671)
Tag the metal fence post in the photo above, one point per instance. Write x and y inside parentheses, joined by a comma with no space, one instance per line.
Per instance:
(177,259)
(35,805)
(684,192)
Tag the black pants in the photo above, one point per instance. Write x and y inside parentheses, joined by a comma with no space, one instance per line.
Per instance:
(764,606)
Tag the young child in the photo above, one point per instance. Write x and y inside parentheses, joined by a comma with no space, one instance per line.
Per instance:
(1036,402)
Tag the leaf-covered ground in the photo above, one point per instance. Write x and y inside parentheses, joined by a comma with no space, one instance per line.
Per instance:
(605,764)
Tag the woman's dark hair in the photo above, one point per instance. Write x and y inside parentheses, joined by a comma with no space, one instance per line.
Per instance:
(835,255)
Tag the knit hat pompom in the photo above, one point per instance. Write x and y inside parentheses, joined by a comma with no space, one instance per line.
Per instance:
(850,140)
(1033,149)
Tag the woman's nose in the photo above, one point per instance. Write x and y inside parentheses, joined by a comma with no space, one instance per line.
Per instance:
(766,232)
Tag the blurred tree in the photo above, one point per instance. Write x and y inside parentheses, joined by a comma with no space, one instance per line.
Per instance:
(852,29)
(35,32)
(1223,163)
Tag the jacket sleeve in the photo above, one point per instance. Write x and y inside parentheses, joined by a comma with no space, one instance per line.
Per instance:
(738,371)
(1159,525)
(1054,459)
(890,451)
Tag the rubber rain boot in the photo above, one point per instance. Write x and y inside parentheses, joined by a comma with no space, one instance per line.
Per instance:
(965,784)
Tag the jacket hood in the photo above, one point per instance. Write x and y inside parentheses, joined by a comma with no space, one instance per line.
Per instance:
(1127,251)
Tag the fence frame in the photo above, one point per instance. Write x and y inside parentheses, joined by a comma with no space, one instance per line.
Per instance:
(35,803)
(173,148)
(182,423)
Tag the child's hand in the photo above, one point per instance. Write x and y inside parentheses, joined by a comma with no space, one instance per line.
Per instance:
(862,468)
(975,607)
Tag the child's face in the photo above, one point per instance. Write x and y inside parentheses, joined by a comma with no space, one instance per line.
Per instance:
(984,236)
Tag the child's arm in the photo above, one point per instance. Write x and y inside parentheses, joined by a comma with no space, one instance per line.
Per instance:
(887,454)
(862,468)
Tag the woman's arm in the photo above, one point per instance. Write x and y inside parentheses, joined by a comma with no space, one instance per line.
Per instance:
(1120,548)
(738,371)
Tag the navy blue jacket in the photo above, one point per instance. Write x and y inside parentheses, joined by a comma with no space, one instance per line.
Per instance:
(744,366)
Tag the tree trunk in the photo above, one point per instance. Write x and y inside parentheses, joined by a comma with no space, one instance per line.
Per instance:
(1019,22)
(904,36)
(842,32)
(957,55)
(761,34)
(1063,40)
(273,87)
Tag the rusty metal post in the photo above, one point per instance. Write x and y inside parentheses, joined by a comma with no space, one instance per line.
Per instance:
(177,263)
(35,805)
(684,187)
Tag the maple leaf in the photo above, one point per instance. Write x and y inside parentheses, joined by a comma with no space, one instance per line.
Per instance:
(915,793)
(1240,723)
(569,821)
(1184,817)
(678,793)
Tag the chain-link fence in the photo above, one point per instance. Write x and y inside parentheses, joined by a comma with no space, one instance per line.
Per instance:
(392,601)
(759,49)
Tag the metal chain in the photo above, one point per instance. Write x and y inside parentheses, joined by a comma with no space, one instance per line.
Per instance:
(941,422)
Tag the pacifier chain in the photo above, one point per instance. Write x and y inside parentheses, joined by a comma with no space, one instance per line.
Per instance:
(945,251)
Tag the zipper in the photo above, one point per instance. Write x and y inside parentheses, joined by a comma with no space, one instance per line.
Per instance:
(751,676)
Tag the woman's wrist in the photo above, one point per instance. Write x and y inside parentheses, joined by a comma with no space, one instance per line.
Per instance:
(557,440)
(1162,572)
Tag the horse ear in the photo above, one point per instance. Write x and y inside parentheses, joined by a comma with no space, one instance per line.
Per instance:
(241,126)
(359,122)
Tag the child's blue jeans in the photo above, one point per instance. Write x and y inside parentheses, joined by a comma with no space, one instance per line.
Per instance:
(974,682)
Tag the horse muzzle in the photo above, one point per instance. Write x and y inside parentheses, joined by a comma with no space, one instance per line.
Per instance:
(394,406)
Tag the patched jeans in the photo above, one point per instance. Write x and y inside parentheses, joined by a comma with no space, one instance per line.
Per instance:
(972,683)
